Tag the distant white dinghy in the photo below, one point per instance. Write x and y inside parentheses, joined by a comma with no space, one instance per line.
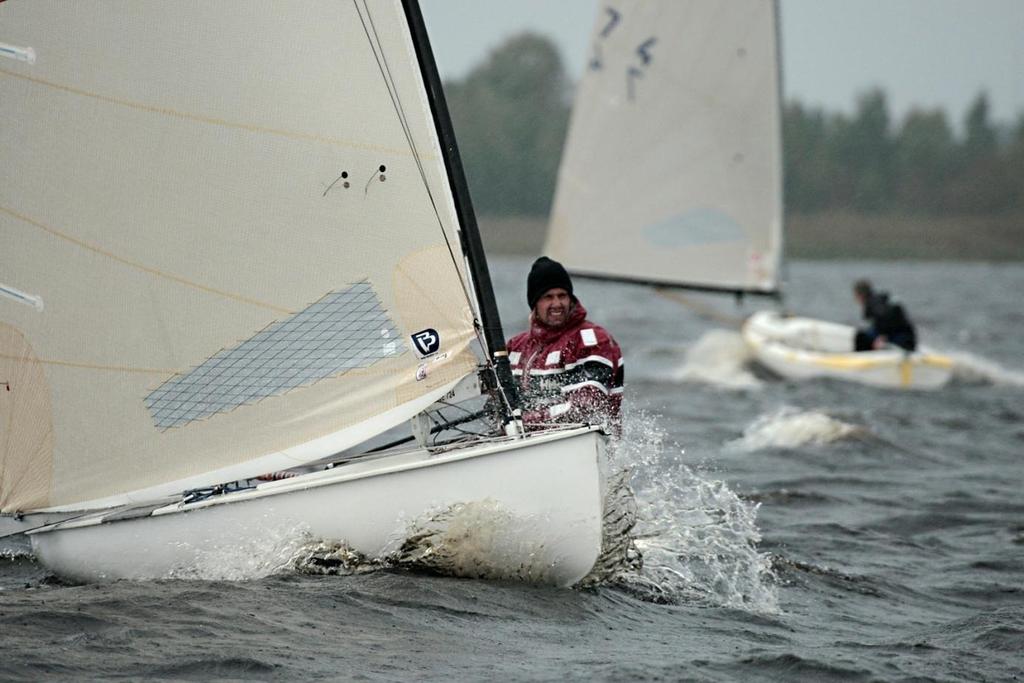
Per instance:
(805,348)
(235,240)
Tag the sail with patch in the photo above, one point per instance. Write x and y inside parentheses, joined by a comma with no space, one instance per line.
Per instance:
(671,172)
(222,229)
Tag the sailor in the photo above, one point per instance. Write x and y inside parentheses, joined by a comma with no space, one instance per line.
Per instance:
(889,323)
(568,368)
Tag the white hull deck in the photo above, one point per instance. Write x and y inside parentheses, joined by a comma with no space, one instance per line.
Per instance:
(546,492)
(805,348)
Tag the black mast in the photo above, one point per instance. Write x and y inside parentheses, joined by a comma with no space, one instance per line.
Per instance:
(472,245)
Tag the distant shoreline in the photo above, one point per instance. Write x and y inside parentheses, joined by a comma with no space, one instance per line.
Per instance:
(833,235)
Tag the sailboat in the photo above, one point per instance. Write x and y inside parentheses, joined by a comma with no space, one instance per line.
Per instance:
(671,172)
(236,240)
(671,176)
(797,347)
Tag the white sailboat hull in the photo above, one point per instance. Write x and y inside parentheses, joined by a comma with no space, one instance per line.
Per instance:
(805,348)
(523,508)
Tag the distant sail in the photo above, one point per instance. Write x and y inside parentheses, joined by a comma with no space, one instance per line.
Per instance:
(227,239)
(672,171)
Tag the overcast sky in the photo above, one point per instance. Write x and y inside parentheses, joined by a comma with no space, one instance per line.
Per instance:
(926,53)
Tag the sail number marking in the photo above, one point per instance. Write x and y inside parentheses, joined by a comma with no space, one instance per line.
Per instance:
(642,52)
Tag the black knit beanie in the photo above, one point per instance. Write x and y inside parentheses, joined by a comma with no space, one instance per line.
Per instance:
(544,275)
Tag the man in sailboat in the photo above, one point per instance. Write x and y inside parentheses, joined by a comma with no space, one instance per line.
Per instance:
(568,368)
(889,322)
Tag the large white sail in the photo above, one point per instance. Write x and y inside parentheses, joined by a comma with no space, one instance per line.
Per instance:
(227,242)
(672,172)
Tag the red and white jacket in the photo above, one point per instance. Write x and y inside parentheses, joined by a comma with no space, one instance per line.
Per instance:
(570,374)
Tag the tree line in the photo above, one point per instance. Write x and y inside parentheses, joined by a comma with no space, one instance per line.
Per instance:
(511,115)
(866,163)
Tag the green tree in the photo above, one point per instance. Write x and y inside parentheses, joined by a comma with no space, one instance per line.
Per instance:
(982,182)
(1015,163)
(510,115)
(864,147)
(981,136)
(807,172)
(925,160)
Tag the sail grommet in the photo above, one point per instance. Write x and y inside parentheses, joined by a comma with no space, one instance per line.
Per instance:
(345,184)
(378,174)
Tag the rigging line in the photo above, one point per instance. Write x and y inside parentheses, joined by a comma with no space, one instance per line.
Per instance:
(378,54)
(40,526)
(448,426)
(457,407)
(389,81)
(139,266)
(211,120)
(385,71)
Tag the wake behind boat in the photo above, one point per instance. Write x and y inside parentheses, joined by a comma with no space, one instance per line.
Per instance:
(233,245)
(804,348)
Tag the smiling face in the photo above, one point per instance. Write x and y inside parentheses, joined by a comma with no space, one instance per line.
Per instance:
(553,307)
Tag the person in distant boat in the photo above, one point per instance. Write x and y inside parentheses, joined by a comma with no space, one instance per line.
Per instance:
(889,323)
(568,368)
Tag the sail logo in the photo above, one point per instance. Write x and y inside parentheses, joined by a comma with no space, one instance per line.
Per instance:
(427,341)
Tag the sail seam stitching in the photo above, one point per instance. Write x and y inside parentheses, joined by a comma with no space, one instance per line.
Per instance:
(144,268)
(211,120)
(366,372)
(87,366)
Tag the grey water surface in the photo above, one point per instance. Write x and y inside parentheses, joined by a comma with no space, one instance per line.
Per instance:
(814,531)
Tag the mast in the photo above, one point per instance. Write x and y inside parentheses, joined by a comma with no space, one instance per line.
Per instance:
(472,246)
(783,267)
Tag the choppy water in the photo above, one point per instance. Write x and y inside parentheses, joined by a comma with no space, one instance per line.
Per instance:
(816,531)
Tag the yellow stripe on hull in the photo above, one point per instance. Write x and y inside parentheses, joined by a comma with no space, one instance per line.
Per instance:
(802,348)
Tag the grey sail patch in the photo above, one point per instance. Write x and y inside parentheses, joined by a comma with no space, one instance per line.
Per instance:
(344,330)
(694,228)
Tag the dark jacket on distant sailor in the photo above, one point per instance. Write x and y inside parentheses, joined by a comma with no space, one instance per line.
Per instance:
(887,319)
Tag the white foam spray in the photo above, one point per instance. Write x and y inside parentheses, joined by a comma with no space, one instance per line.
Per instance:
(694,539)
(481,540)
(718,358)
(790,427)
(670,535)
(265,554)
(973,369)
